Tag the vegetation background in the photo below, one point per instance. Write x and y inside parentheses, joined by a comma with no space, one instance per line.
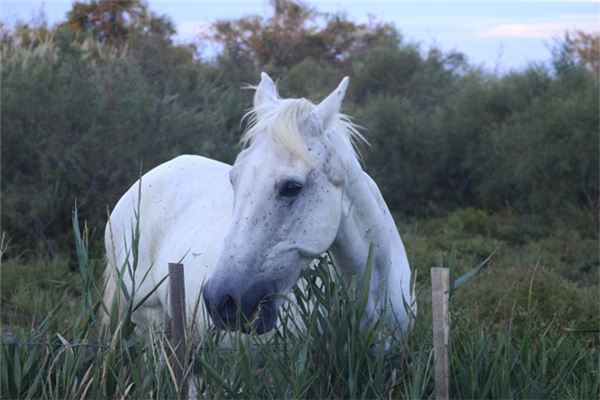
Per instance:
(468,160)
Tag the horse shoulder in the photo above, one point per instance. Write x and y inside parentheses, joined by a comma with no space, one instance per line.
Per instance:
(173,194)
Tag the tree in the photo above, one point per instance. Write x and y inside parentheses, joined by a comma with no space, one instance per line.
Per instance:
(293,34)
(113,22)
(585,47)
(579,48)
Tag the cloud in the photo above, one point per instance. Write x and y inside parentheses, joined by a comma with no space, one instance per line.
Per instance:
(541,29)
(529,31)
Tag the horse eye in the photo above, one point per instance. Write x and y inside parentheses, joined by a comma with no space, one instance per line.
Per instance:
(290,189)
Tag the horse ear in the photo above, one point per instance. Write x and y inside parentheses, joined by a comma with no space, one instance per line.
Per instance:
(328,108)
(265,91)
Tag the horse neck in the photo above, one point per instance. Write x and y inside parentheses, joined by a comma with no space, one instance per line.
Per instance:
(366,219)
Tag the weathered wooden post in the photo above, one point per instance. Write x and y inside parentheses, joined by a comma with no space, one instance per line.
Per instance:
(441,331)
(178,324)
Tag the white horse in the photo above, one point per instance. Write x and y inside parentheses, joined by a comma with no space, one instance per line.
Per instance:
(245,232)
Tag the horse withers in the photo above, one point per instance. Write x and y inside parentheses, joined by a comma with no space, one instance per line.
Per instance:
(245,232)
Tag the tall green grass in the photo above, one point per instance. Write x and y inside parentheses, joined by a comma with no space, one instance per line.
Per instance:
(333,357)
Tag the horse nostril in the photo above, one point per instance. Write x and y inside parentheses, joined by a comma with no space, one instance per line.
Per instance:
(227,307)
(230,308)
(227,311)
(221,304)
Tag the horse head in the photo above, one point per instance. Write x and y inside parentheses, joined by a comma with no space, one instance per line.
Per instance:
(288,187)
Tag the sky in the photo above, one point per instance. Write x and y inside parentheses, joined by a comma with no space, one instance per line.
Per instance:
(498,35)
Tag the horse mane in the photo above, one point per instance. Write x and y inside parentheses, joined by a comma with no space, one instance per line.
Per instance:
(280,119)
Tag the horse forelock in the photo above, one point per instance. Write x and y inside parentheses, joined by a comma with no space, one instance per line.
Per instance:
(280,120)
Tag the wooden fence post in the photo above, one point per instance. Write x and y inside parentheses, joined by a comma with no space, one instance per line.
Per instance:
(441,331)
(178,324)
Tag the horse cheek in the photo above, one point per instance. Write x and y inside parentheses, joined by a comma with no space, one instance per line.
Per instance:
(324,219)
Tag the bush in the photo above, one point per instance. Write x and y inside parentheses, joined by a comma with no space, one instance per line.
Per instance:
(548,151)
(84,113)
(80,122)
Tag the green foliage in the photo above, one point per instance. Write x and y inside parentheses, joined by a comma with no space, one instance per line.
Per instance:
(563,265)
(115,21)
(556,135)
(31,288)
(531,364)
(475,161)
(80,119)
(336,356)
(89,102)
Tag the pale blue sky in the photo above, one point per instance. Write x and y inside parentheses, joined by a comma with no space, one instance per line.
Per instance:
(500,35)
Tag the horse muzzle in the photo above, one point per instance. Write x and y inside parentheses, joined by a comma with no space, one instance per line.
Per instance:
(253,310)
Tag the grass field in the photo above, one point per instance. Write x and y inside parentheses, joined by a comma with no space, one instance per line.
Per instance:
(91,103)
(525,327)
